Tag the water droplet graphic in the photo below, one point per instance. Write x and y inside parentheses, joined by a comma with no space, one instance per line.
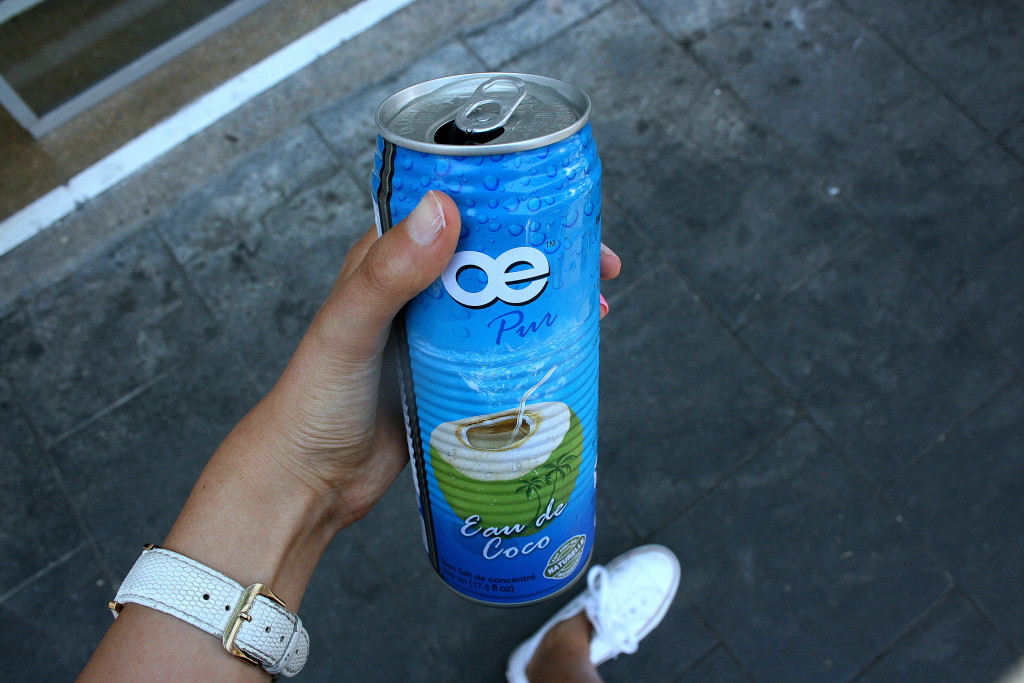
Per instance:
(491,183)
(534,204)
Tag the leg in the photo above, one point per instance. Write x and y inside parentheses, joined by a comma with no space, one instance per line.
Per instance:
(563,654)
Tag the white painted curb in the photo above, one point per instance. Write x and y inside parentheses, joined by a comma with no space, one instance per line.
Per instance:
(171,132)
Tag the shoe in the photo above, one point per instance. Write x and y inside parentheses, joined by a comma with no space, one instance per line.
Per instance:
(624,601)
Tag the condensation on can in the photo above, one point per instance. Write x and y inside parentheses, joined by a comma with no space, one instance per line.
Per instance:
(499,356)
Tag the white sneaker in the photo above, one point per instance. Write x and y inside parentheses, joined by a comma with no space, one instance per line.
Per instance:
(624,602)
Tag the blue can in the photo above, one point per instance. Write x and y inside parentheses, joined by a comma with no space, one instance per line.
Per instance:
(499,356)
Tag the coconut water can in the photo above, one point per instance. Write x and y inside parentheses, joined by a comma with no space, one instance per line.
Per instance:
(499,356)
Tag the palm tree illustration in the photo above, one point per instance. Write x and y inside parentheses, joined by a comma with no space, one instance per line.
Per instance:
(556,471)
(531,487)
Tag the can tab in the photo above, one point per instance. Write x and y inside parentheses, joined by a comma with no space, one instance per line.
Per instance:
(491,105)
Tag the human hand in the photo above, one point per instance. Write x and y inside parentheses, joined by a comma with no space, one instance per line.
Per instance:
(328,440)
(337,405)
(310,458)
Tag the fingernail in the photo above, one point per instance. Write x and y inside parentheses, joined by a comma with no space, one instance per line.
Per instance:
(604,305)
(426,221)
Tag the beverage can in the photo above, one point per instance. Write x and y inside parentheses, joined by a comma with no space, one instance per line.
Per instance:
(499,356)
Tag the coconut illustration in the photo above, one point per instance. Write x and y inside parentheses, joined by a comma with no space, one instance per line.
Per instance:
(508,467)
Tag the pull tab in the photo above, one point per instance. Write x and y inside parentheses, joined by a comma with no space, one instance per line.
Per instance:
(487,111)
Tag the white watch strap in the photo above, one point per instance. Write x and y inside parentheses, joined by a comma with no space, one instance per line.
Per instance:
(252,622)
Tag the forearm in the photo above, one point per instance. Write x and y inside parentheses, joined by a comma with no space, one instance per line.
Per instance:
(245,518)
(312,457)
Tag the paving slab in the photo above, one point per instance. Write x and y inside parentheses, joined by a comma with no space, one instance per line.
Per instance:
(525,27)
(952,228)
(667,437)
(719,666)
(130,471)
(952,642)
(346,647)
(720,199)
(964,500)
(266,278)
(785,60)
(860,344)
(803,573)
(210,219)
(1013,138)
(90,340)
(348,125)
(904,149)
(66,608)
(994,303)
(973,51)
(695,22)
(392,535)
(37,527)
(471,642)
(639,253)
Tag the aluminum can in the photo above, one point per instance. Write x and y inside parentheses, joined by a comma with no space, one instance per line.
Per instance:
(499,356)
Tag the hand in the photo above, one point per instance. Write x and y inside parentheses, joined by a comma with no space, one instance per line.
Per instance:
(335,410)
(312,457)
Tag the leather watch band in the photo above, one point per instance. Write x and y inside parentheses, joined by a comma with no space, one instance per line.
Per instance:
(251,621)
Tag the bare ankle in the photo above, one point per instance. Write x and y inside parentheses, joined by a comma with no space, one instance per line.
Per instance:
(564,653)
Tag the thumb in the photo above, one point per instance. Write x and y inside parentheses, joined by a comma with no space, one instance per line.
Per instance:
(356,318)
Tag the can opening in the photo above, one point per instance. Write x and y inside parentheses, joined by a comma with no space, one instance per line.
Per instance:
(450,134)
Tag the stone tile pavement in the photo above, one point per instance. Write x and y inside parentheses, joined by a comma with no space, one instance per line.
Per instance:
(811,378)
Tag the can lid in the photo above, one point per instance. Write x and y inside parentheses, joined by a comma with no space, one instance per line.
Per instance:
(482,114)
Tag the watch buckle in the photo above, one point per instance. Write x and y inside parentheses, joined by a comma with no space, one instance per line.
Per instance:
(114,606)
(240,614)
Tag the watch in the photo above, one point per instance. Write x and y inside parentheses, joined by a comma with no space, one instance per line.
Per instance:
(252,622)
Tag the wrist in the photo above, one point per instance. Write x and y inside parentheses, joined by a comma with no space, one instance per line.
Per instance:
(255,521)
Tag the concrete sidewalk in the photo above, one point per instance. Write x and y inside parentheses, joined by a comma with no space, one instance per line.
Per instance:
(811,376)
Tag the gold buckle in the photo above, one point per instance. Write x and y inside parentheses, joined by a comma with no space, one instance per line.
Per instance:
(240,613)
(115,606)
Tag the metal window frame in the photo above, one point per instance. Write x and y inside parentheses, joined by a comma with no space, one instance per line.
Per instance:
(39,125)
